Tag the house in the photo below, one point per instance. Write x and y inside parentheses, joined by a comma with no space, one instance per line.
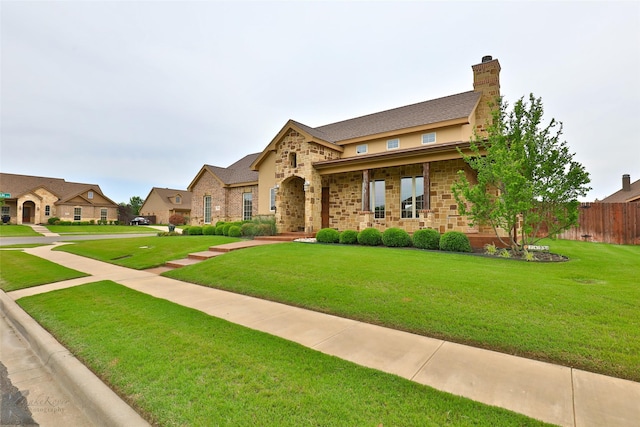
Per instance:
(224,194)
(393,168)
(161,203)
(33,200)
(629,193)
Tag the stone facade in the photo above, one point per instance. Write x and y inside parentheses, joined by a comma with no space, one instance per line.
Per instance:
(226,202)
(300,204)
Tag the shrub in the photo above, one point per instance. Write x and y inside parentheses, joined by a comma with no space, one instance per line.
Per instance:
(455,241)
(208,230)
(349,237)
(195,230)
(427,238)
(53,220)
(370,237)
(177,219)
(225,228)
(235,231)
(328,235)
(249,229)
(219,229)
(396,238)
(265,229)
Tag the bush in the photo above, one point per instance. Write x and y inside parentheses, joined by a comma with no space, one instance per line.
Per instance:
(396,238)
(328,235)
(53,220)
(219,229)
(195,230)
(427,238)
(249,229)
(208,230)
(455,241)
(225,228)
(176,219)
(235,231)
(349,237)
(370,237)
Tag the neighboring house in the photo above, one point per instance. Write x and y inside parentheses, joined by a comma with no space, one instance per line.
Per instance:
(394,168)
(34,199)
(629,193)
(224,194)
(164,202)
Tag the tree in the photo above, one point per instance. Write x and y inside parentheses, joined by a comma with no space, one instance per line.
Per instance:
(136,203)
(526,179)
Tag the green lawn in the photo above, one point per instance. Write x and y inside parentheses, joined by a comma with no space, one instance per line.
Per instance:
(20,270)
(10,230)
(584,313)
(144,252)
(100,229)
(181,367)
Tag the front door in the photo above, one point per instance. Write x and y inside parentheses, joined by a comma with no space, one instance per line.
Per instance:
(325,207)
(26,214)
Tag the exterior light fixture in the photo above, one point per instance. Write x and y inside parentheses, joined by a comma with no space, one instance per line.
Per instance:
(306,186)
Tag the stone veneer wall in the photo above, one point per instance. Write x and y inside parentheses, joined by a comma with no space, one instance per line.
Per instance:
(345,200)
(290,200)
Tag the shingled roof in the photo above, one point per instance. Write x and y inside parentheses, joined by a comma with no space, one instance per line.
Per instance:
(238,173)
(625,196)
(166,193)
(423,113)
(17,185)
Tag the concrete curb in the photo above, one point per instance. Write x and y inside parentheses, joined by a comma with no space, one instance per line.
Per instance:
(101,405)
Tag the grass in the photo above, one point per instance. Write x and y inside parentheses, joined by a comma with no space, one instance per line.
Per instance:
(100,229)
(179,367)
(19,270)
(145,252)
(11,230)
(584,313)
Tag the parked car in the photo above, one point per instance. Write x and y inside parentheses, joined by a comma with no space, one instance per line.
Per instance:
(139,221)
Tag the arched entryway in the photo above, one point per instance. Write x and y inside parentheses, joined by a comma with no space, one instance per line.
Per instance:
(28,212)
(291,209)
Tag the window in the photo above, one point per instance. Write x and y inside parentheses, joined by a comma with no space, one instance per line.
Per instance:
(207,210)
(178,200)
(361,149)
(272,199)
(376,194)
(6,211)
(103,215)
(90,194)
(428,138)
(293,160)
(411,196)
(392,144)
(77,214)
(47,210)
(247,206)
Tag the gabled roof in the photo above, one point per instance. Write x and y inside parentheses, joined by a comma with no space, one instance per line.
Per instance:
(438,110)
(18,185)
(235,174)
(166,194)
(441,110)
(622,196)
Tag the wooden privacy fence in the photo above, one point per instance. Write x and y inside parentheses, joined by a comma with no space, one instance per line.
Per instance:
(607,223)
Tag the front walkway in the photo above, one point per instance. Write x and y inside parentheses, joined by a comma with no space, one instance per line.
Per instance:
(552,393)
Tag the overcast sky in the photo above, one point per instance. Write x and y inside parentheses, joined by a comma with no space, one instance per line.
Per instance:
(135,94)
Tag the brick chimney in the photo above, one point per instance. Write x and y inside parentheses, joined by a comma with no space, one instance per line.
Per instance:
(626,182)
(486,79)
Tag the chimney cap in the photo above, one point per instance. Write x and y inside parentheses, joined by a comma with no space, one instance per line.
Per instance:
(487,58)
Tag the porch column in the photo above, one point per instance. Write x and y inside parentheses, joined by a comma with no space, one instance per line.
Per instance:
(426,196)
(365,191)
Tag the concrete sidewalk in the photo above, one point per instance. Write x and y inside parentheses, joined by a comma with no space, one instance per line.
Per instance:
(552,393)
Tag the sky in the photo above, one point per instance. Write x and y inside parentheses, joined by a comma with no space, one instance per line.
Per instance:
(132,95)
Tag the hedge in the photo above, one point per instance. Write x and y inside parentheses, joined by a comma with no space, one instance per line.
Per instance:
(455,241)
(396,237)
(427,238)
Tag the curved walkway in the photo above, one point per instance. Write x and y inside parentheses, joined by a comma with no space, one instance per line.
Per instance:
(551,393)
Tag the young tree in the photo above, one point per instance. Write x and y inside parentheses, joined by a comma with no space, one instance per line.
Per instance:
(526,182)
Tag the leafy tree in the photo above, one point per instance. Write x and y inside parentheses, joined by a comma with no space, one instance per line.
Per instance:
(136,203)
(526,181)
